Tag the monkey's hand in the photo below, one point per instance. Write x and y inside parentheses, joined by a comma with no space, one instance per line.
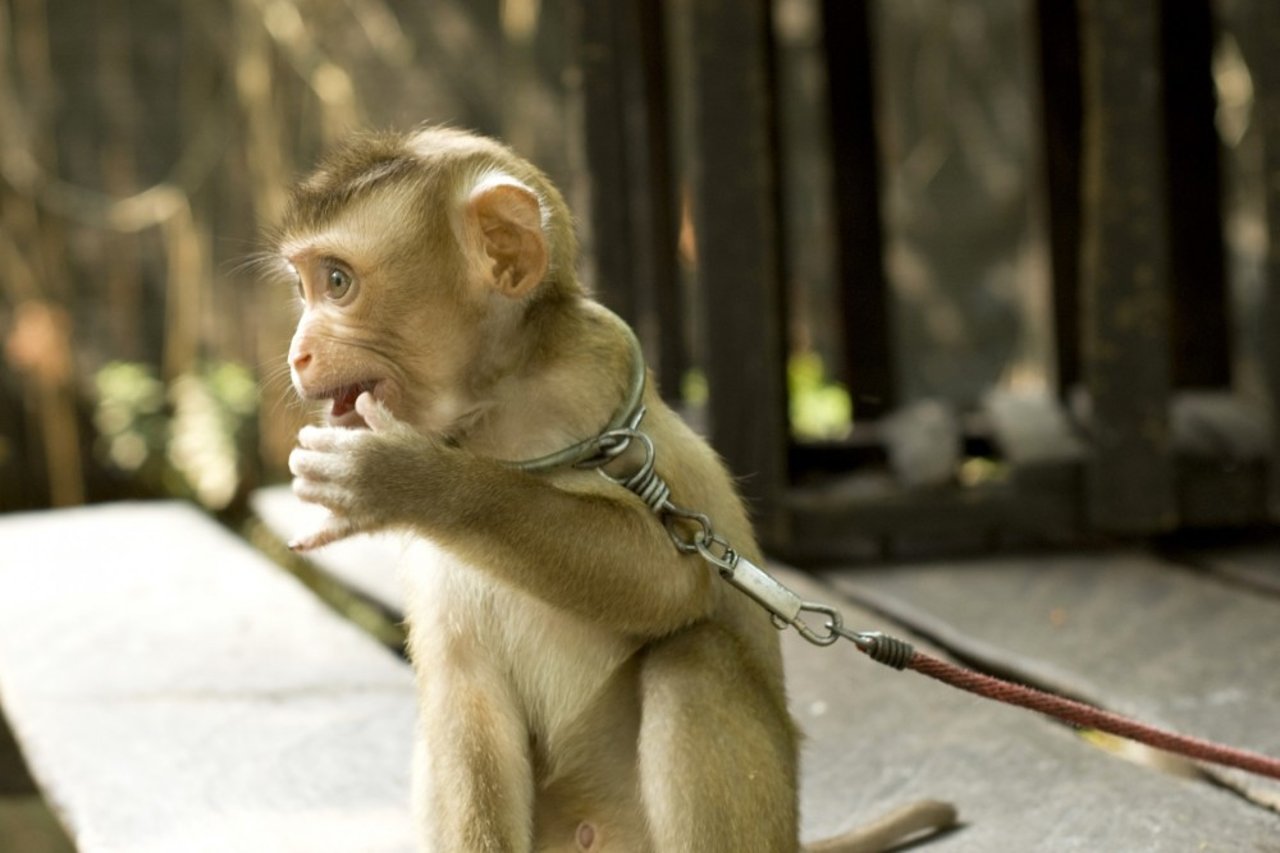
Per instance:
(354,473)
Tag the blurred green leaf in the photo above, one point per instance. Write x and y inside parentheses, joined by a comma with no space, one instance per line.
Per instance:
(185,440)
(820,409)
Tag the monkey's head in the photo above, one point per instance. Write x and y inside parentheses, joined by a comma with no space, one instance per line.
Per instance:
(415,257)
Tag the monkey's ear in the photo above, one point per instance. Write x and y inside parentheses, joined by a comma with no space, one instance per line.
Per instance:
(505,220)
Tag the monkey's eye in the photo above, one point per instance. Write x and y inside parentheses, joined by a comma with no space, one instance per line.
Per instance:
(339,282)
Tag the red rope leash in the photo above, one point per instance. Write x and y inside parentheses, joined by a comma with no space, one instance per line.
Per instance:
(789,609)
(1087,716)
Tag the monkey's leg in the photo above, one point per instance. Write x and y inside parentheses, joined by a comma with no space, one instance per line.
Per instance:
(717,749)
(474,783)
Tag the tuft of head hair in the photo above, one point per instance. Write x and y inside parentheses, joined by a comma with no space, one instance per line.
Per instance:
(438,168)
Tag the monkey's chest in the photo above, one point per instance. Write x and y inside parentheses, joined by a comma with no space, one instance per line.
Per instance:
(555,665)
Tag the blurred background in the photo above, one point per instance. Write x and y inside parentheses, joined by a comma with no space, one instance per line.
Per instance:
(144,148)
(146,144)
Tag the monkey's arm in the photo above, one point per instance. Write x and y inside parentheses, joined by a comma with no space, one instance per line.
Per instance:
(607,559)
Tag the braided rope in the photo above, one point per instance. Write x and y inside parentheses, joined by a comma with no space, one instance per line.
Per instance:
(1087,716)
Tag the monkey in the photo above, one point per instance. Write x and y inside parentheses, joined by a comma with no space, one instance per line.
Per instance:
(584,684)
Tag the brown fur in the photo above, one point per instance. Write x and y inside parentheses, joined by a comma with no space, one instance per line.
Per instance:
(573,665)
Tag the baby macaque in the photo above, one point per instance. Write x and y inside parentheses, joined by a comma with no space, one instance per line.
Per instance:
(584,684)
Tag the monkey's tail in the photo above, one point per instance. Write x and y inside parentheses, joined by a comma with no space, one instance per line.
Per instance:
(919,818)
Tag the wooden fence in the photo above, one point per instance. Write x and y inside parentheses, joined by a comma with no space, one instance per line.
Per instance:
(689,197)
(1148,432)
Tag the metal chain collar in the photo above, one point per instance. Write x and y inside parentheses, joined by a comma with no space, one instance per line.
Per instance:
(627,415)
(692,532)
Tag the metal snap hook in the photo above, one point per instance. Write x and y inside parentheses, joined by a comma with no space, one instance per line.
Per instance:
(834,626)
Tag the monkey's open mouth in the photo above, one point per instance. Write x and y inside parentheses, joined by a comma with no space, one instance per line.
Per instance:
(344,398)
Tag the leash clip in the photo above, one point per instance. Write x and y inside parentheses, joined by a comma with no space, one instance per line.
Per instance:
(786,608)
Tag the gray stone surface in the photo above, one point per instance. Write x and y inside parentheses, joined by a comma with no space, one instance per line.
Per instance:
(1257,565)
(1125,630)
(366,564)
(878,738)
(173,690)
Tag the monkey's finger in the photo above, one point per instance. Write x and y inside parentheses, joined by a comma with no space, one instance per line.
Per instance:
(375,413)
(331,439)
(331,531)
(333,497)
(318,466)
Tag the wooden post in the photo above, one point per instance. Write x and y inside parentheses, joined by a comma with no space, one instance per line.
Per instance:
(1125,269)
(733,185)
(1058,28)
(633,217)
(864,291)
(1197,262)
(1266,70)
(647,131)
(605,144)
